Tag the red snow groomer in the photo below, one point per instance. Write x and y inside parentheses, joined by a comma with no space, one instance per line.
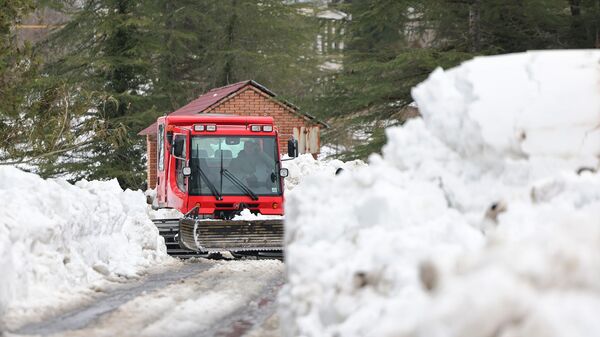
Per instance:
(211,167)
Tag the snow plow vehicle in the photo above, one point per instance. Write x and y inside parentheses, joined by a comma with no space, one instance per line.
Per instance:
(212,167)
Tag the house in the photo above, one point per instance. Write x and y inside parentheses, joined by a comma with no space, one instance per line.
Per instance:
(246,98)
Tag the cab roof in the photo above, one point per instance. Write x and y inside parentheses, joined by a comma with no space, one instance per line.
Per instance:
(220,119)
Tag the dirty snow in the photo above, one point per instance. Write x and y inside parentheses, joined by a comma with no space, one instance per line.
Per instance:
(59,241)
(201,304)
(482,218)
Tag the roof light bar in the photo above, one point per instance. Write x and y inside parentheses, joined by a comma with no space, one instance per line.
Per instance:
(267,128)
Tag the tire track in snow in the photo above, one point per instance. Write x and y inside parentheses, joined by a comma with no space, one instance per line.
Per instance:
(225,298)
(83,316)
(253,317)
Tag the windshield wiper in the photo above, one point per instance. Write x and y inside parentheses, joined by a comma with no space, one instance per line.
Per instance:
(210,185)
(239,184)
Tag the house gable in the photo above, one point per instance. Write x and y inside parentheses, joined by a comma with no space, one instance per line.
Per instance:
(250,101)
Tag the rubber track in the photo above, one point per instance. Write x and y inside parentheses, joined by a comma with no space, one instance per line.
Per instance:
(168,229)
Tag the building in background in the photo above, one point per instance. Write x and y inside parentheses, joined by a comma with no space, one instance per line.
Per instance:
(330,41)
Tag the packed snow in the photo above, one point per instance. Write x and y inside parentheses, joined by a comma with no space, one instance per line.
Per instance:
(59,241)
(199,304)
(305,165)
(480,219)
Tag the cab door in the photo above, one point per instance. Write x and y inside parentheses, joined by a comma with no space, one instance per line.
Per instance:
(177,189)
(161,165)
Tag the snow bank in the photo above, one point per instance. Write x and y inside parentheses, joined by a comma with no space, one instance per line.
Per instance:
(482,218)
(163,213)
(531,104)
(58,240)
(305,165)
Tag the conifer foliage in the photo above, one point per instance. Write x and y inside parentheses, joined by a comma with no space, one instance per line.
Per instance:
(73,104)
(119,64)
(395,44)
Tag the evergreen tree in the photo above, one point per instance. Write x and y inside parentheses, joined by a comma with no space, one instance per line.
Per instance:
(127,62)
(215,43)
(100,59)
(395,44)
(11,69)
(389,51)
(17,64)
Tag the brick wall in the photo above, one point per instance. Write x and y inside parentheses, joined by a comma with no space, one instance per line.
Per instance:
(253,102)
(151,153)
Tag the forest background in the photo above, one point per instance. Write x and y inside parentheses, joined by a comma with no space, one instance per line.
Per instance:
(71,104)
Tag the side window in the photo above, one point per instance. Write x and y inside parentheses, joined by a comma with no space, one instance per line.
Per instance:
(161,147)
(179,165)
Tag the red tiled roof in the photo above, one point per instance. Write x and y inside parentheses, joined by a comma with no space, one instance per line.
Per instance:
(214,96)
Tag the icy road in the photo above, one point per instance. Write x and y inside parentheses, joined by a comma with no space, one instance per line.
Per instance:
(195,298)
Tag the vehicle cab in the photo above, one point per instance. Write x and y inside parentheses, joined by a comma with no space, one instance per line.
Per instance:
(220,164)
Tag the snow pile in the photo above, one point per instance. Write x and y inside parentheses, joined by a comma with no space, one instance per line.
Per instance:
(482,218)
(58,240)
(532,104)
(247,215)
(305,165)
(163,213)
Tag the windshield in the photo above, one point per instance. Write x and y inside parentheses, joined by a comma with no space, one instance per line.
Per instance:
(252,160)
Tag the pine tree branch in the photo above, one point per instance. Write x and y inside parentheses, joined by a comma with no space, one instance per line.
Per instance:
(47,154)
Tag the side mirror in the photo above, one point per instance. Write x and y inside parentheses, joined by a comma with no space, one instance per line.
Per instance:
(292,148)
(178,145)
(283,172)
(187,171)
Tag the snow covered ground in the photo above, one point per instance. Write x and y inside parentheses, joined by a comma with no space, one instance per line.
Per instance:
(205,303)
(480,219)
(197,297)
(58,241)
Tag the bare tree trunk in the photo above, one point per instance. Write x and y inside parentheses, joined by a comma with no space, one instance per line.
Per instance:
(228,67)
(578,35)
(597,24)
(475,25)
(575,7)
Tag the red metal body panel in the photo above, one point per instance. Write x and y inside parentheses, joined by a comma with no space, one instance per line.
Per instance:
(169,194)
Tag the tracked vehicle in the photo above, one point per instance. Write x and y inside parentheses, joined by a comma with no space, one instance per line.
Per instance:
(211,167)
